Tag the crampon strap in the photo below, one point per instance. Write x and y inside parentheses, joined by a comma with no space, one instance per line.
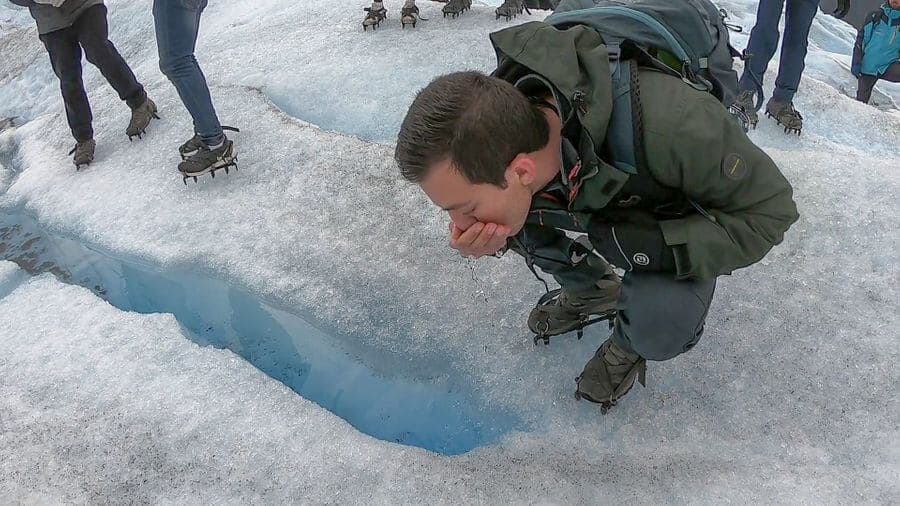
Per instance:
(544,334)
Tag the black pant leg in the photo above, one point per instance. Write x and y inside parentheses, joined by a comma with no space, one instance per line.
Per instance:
(659,317)
(65,57)
(864,86)
(892,73)
(93,35)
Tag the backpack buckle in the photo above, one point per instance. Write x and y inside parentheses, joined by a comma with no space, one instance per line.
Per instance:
(614,51)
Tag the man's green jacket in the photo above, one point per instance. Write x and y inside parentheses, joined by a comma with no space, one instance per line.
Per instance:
(708,201)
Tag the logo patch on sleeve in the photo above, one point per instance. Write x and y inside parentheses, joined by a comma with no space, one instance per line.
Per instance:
(735,167)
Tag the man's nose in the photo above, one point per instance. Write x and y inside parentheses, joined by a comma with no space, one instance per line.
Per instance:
(461,220)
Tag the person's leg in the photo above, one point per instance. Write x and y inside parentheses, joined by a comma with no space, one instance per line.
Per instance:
(763,43)
(375,14)
(177,25)
(866,82)
(864,86)
(409,14)
(892,73)
(659,317)
(92,32)
(65,57)
(798,18)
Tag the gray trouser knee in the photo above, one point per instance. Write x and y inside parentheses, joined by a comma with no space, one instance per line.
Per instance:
(659,317)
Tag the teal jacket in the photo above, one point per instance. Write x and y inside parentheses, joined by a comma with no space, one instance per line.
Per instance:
(877,42)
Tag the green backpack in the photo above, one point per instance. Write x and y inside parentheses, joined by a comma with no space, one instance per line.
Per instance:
(685,38)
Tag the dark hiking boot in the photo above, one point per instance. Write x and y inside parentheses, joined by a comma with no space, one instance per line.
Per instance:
(208,161)
(510,9)
(84,153)
(786,116)
(609,375)
(558,312)
(374,15)
(190,147)
(409,14)
(456,7)
(745,108)
(140,118)
(194,144)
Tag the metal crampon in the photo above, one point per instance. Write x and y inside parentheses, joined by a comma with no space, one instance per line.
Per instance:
(510,9)
(785,115)
(409,16)
(374,15)
(559,313)
(226,166)
(209,162)
(456,7)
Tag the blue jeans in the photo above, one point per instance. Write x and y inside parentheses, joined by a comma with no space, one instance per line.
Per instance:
(764,40)
(177,25)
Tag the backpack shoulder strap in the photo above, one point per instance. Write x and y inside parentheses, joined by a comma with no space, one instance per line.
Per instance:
(877,16)
(624,143)
(624,137)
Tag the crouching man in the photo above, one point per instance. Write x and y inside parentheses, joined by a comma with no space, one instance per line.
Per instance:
(520,160)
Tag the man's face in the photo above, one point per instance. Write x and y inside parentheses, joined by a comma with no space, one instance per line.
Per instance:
(895,4)
(469,203)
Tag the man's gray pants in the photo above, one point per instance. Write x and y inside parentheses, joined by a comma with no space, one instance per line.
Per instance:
(659,317)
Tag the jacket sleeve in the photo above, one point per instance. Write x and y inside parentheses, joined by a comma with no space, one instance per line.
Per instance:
(859,46)
(744,202)
(856,63)
(570,262)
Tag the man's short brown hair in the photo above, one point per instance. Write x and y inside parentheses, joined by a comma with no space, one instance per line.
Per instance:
(478,122)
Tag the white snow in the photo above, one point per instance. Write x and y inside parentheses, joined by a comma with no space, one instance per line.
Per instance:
(791,396)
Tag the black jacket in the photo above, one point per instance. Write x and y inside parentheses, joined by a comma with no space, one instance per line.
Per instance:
(49,18)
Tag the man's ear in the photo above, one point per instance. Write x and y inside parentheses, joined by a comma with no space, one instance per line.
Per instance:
(522,170)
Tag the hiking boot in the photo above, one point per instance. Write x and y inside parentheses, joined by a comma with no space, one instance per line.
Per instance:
(509,9)
(208,161)
(409,14)
(609,375)
(194,144)
(374,15)
(786,116)
(190,147)
(456,7)
(140,118)
(84,153)
(745,108)
(558,311)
